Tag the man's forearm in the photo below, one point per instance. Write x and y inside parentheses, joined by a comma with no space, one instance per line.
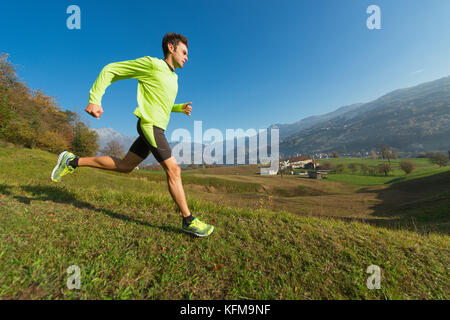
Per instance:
(178,107)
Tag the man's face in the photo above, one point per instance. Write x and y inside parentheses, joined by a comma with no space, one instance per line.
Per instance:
(180,56)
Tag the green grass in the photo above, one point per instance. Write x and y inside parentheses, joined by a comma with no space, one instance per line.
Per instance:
(124,232)
(423,169)
(420,162)
(188,178)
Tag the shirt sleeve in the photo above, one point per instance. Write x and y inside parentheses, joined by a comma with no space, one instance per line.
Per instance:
(131,69)
(178,107)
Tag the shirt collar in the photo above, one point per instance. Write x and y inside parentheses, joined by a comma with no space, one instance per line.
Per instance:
(169,66)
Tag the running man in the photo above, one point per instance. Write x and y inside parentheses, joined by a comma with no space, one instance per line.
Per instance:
(157,90)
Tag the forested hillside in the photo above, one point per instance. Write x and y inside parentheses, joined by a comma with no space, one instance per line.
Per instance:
(34,120)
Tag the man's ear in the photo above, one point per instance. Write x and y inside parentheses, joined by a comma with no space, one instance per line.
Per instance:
(171,48)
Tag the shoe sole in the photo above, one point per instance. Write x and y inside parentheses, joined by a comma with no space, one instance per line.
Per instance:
(197,234)
(57,165)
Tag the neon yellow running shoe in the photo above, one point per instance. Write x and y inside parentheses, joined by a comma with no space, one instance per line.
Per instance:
(62,166)
(198,228)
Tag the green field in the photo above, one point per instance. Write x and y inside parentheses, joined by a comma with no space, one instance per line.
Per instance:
(423,169)
(290,238)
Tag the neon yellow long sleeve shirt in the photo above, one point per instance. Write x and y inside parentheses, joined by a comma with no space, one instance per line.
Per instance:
(157,88)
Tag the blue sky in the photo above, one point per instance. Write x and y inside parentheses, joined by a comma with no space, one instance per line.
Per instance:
(251,63)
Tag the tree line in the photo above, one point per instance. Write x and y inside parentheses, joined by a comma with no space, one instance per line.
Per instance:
(34,120)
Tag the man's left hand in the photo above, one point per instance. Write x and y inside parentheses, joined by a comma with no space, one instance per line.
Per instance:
(187,108)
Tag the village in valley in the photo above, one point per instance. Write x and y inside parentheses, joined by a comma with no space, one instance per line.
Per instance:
(306,164)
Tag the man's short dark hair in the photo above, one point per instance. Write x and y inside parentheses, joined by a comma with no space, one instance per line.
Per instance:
(172,38)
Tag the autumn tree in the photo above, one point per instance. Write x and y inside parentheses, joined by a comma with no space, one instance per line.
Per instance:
(6,76)
(85,142)
(33,119)
(113,149)
(440,159)
(386,152)
(384,168)
(373,154)
(407,166)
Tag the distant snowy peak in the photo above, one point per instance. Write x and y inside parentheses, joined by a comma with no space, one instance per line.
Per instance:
(108,134)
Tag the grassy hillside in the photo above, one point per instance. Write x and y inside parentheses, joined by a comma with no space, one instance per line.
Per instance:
(418,201)
(424,168)
(124,233)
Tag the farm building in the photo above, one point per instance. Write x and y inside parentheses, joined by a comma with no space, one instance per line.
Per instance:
(295,162)
(317,174)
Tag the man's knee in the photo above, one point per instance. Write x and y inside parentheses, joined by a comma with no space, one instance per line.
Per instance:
(125,167)
(129,162)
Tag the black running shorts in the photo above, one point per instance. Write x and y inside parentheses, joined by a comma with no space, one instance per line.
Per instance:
(142,146)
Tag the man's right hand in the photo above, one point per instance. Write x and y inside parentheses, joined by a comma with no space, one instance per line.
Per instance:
(94,110)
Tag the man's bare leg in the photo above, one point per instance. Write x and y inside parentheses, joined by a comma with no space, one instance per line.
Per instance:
(127,164)
(131,160)
(173,174)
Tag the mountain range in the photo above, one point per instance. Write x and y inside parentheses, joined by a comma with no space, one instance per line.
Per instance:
(412,120)
(108,134)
